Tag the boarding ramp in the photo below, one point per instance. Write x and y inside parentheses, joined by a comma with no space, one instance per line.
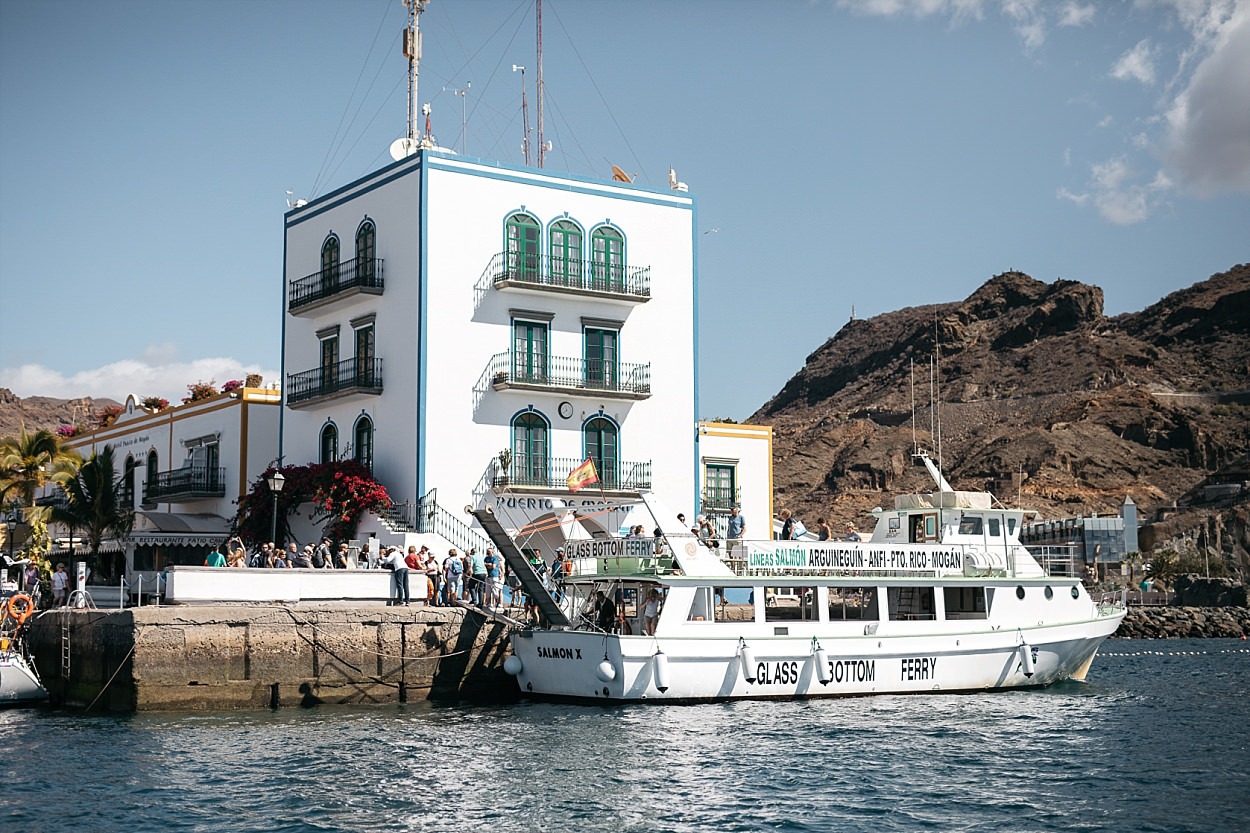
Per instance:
(531,582)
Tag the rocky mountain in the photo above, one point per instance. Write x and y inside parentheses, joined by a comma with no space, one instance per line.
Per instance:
(37,412)
(1044,400)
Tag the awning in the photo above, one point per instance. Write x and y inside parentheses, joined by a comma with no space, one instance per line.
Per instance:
(178,529)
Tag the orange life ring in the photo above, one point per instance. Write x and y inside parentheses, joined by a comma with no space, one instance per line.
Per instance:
(19,608)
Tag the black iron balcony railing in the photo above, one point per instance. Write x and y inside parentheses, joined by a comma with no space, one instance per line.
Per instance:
(343,377)
(563,374)
(553,473)
(720,498)
(188,483)
(563,274)
(360,274)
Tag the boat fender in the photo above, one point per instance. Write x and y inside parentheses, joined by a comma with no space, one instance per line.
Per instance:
(661,671)
(606,672)
(822,666)
(513,665)
(19,608)
(1026,660)
(747,656)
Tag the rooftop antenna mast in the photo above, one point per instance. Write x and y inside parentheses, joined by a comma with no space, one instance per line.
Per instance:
(542,147)
(464,118)
(525,117)
(412,51)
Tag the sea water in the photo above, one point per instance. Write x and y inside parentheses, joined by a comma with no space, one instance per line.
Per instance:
(1157,740)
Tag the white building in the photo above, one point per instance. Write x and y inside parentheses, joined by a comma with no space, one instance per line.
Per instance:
(182,470)
(443,310)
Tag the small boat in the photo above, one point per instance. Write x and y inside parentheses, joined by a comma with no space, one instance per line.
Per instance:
(19,682)
(942,598)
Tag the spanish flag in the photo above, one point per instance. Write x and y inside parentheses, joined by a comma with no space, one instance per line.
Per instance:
(583,475)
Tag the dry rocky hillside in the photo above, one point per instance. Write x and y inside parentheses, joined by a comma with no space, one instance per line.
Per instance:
(1044,401)
(35,412)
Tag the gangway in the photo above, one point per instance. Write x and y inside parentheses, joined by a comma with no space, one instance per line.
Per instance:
(531,582)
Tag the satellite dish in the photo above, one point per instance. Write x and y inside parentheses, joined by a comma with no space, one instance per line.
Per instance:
(403,148)
(619,175)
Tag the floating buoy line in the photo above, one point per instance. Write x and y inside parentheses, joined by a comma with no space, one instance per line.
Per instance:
(1173,653)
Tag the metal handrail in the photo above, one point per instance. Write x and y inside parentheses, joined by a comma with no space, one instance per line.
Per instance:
(363,273)
(204,481)
(553,473)
(565,273)
(567,372)
(335,378)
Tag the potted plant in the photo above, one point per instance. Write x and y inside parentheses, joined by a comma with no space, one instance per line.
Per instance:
(505,463)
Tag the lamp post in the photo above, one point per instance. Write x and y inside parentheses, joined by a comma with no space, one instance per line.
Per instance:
(11,525)
(276,482)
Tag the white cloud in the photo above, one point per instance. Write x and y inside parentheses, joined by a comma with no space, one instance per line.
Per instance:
(1208,123)
(119,379)
(1074,14)
(1137,64)
(1119,194)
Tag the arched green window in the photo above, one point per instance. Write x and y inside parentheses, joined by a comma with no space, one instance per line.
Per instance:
(530,465)
(522,247)
(153,470)
(364,442)
(366,252)
(330,263)
(566,253)
(600,437)
(607,254)
(329,443)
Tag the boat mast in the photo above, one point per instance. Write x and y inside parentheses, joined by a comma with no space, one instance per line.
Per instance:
(542,147)
(412,51)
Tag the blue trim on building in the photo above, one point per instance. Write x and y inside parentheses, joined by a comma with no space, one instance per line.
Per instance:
(423,238)
(694,284)
(282,359)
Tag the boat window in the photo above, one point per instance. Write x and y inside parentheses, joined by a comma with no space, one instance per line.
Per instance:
(964,602)
(995,528)
(1011,526)
(910,603)
(794,604)
(704,607)
(970,525)
(853,603)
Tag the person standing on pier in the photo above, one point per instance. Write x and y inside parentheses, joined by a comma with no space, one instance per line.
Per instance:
(400,594)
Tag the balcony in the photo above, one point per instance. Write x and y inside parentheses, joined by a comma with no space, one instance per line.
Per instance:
(510,270)
(720,499)
(566,375)
(333,381)
(357,276)
(552,473)
(186,484)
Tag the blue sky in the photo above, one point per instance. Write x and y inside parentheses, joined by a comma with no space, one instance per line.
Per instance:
(862,156)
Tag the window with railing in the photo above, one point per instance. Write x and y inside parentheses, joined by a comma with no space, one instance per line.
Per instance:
(529,351)
(607,254)
(330,261)
(366,250)
(531,465)
(720,489)
(566,253)
(601,358)
(522,246)
(600,437)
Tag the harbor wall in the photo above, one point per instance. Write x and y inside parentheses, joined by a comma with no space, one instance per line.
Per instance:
(268,656)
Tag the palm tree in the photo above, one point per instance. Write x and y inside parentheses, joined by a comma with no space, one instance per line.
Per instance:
(95,502)
(28,462)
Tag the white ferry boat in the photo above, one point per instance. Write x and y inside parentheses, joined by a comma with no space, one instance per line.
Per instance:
(943,597)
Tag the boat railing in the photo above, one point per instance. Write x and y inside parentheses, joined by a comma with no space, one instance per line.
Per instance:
(1112,601)
(1059,560)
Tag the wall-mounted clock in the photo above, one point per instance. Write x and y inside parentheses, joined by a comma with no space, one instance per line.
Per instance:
(566,410)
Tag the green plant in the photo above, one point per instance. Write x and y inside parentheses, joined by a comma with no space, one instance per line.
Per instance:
(199,391)
(340,491)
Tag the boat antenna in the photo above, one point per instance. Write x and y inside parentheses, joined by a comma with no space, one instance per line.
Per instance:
(412,51)
(525,117)
(542,147)
(911,378)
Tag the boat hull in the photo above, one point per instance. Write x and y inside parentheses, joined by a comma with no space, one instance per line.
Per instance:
(19,685)
(586,665)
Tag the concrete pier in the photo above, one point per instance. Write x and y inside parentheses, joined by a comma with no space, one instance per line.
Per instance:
(224,657)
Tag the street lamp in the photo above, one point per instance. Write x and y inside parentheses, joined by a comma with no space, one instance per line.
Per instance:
(276,482)
(11,525)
